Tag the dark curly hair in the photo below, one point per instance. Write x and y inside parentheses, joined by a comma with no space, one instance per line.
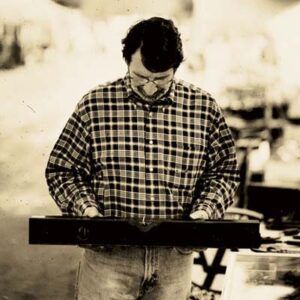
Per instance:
(160,43)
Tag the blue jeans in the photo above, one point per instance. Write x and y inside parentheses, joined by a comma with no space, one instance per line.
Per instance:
(123,272)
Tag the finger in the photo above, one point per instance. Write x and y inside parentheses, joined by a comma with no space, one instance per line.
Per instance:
(91,212)
(94,214)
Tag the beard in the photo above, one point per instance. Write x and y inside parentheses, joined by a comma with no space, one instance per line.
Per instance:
(150,98)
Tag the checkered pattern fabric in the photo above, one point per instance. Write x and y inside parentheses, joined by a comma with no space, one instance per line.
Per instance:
(134,160)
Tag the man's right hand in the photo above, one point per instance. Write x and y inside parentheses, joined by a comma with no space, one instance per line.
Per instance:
(92,212)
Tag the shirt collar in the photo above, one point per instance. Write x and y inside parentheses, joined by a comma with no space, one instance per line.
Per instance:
(167,99)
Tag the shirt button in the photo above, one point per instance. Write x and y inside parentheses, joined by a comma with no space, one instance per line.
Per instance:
(151,169)
(151,142)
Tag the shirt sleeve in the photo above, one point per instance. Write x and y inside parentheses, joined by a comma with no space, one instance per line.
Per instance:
(69,167)
(217,186)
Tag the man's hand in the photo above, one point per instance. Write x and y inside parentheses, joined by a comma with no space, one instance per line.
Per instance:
(92,212)
(199,215)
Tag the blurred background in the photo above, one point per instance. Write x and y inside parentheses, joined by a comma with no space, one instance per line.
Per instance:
(245,53)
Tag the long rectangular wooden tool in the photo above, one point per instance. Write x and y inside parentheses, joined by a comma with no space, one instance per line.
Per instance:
(56,230)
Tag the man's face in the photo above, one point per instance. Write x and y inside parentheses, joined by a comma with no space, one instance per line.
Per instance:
(148,85)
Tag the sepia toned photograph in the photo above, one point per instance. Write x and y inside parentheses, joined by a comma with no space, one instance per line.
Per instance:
(141,142)
(262,276)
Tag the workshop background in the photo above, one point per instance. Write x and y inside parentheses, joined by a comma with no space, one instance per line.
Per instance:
(245,53)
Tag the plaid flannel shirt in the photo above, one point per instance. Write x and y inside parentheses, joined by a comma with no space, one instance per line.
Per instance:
(130,159)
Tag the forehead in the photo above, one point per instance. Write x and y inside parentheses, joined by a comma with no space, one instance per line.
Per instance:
(136,65)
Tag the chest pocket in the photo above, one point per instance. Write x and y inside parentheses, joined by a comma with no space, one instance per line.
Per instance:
(185,165)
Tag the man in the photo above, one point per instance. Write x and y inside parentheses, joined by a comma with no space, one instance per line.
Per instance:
(143,147)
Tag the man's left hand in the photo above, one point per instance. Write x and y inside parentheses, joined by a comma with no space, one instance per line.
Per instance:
(199,215)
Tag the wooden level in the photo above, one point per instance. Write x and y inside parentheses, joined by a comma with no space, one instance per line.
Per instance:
(56,230)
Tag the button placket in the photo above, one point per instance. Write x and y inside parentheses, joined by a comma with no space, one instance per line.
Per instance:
(149,153)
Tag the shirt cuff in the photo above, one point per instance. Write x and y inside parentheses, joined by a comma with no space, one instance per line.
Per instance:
(83,203)
(209,206)
(205,207)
